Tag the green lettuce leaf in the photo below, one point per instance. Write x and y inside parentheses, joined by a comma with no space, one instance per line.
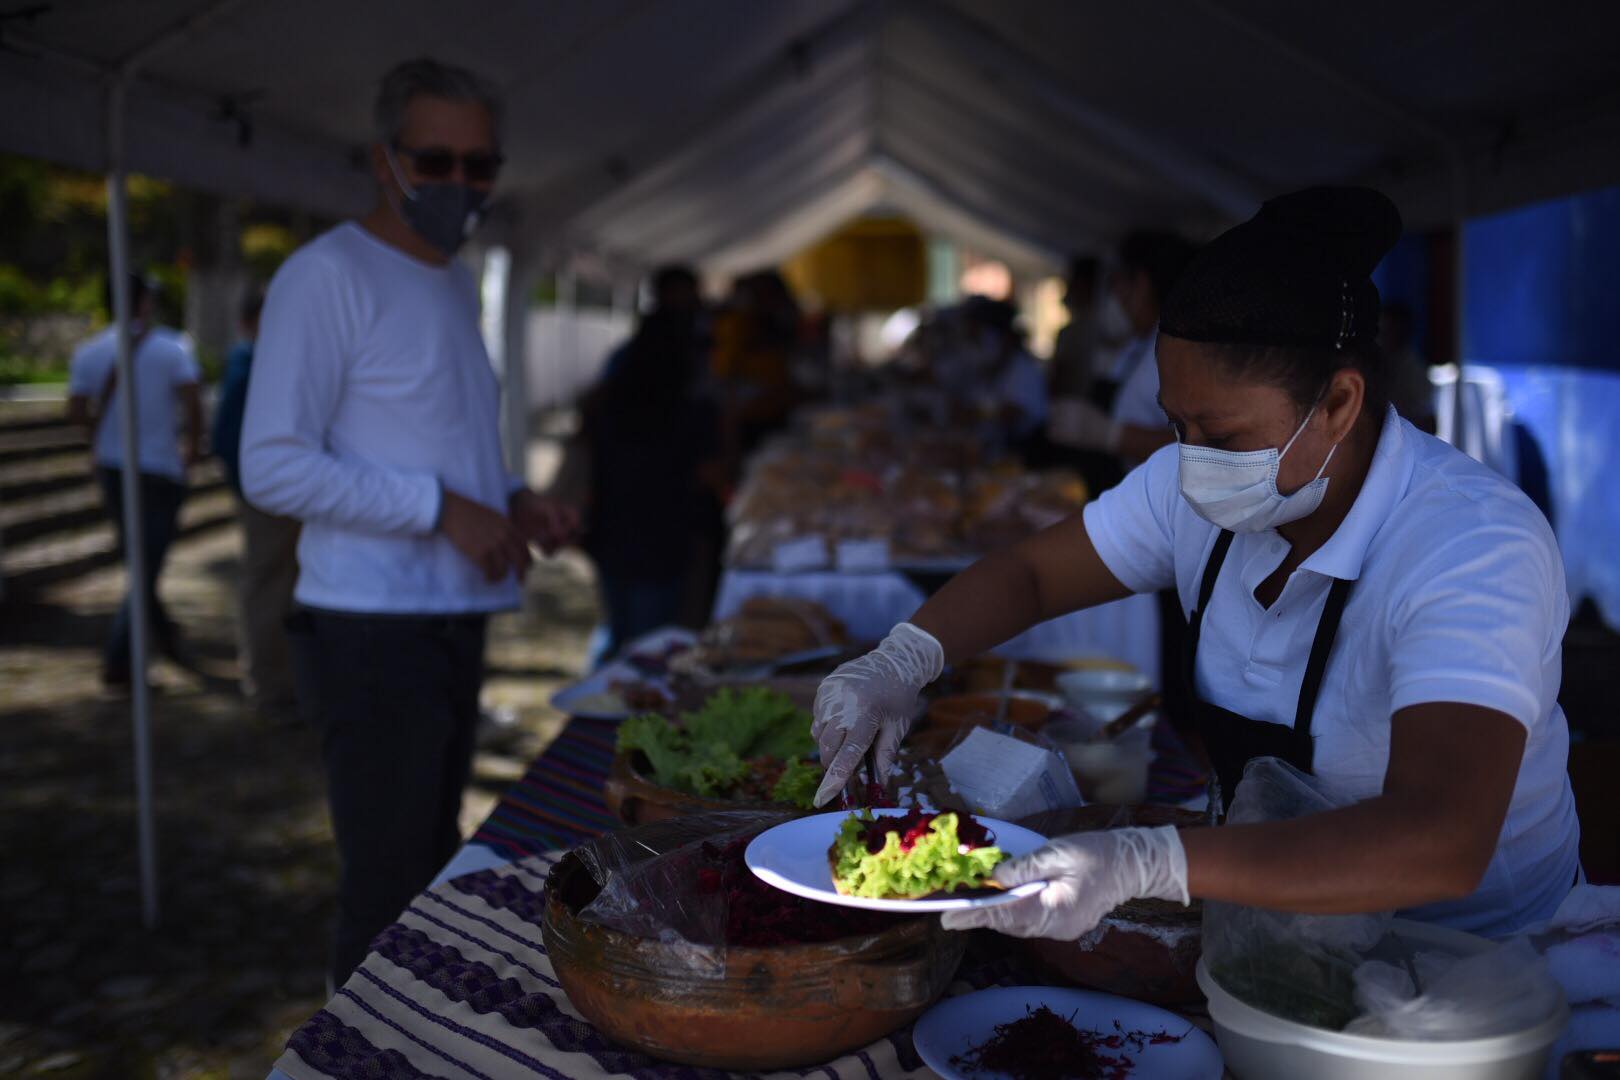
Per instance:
(798,785)
(754,722)
(935,862)
(664,745)
(707,753)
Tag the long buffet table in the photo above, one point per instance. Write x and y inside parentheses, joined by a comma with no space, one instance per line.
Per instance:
(870,604)
(461,985)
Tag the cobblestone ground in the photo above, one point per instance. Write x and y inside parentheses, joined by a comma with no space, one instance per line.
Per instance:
(247,862)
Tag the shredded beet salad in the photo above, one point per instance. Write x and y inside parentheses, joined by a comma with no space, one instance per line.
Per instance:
(1045,1046)
(759,916)
(914,826)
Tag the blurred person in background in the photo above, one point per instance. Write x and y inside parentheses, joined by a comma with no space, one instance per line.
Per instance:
(755,337)
(168,406)
(653,440)
(269,546)
(1007,383)
(1410,390)
(1074,353)
(1133,426)
(373,416)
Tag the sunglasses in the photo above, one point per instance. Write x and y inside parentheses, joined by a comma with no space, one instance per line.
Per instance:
(439,163)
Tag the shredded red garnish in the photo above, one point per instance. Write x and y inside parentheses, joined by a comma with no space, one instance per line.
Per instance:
(759,916)
(1045,1046)
(914,825)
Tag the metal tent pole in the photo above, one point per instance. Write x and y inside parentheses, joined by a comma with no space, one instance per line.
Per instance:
(134,541)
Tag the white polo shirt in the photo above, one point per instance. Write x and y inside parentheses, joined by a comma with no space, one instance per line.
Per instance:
(371,389)
(1459,597)
(162,364)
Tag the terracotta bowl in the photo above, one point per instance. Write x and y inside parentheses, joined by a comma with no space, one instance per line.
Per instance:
(634,799)
(1145,949)
(741,1009)
(1024,710)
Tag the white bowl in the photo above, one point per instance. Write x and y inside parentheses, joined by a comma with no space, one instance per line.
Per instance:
(1105,693)
(1260,1046)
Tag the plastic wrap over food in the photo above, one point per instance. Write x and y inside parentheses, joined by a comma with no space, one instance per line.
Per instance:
(684,883)
(1355,973)
(1300,967)
(1498,992)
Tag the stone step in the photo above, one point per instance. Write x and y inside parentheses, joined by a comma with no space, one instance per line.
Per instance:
(31,415)
(32,443)
(70,507)
(44,475)
(32,565)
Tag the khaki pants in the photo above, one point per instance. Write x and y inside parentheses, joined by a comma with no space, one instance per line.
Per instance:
(269,572)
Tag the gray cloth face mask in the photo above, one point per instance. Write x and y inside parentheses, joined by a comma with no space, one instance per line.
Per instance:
(443,214)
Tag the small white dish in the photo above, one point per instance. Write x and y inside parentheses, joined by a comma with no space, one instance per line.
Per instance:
(793,857)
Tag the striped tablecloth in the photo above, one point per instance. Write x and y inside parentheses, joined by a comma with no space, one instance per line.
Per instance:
(556,804)
(461,987)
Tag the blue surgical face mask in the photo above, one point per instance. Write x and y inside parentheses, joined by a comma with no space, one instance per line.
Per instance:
(444,214)
(1237,490)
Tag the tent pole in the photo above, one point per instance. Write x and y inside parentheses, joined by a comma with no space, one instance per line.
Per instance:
(1459,295)
(134,541)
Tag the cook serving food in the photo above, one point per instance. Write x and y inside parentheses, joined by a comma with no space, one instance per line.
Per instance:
(1364,602)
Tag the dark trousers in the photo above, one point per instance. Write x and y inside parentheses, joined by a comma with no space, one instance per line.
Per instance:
(160,519)
(395,700)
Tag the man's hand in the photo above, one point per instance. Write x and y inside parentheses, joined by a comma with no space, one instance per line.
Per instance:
(485,536)
(548,523)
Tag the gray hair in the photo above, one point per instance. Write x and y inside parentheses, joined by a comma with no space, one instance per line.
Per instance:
(427,77)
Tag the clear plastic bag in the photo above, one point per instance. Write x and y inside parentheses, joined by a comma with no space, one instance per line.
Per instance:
(684,883)
(1299,967)
(1355,973)
(1503,990)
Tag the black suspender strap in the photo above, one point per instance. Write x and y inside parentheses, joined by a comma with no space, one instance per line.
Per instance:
(1321,647)
(1206,588)
(1195,623)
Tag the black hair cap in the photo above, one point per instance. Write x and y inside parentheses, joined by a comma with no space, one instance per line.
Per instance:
(1297,274)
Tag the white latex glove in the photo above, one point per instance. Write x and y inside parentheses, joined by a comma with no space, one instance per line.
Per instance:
(1088,875)
(870,701)
(1079,423)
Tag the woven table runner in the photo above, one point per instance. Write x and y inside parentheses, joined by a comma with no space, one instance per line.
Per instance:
(461,987)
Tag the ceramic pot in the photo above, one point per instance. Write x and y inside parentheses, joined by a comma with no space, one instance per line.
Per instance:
(752,1009)
(1144,949)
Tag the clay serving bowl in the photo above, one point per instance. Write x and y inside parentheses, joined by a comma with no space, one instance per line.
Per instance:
(1144,949)
(753,1009)
(633,797)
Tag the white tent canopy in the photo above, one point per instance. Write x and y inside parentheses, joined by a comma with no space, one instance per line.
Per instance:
(703,131)
(729,133)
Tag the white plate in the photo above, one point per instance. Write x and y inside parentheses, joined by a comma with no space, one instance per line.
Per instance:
(582,699)
(793,857)
(956,1025)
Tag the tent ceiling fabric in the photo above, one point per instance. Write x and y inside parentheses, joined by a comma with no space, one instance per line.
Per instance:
(718,131)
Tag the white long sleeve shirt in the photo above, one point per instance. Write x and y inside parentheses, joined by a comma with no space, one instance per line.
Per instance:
(371,389)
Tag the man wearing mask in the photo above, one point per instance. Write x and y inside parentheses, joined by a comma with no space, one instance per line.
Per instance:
(373,417)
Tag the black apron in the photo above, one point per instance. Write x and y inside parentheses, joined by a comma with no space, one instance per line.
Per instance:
(1232,741)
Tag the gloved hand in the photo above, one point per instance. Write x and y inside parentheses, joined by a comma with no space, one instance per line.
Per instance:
(1088,875)
(1078,423)
(871,700)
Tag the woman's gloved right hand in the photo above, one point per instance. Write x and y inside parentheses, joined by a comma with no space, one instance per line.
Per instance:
(869,703)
